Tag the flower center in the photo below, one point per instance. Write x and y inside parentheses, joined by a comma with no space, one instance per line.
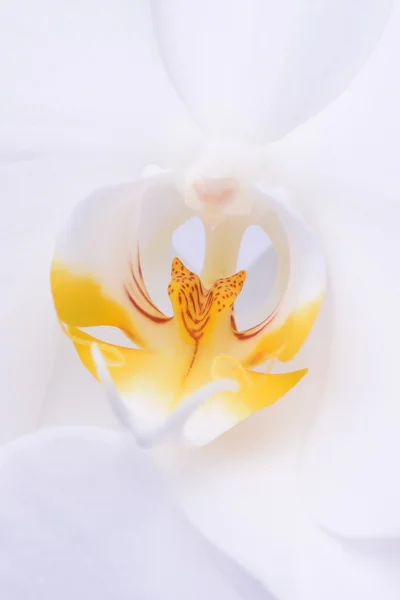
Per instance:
(197,309)
(193,372)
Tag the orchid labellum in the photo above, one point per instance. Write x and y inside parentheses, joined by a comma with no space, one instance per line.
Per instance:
(192,374)
(224,179)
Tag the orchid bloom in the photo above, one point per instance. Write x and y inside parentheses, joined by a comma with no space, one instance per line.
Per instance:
(258,125)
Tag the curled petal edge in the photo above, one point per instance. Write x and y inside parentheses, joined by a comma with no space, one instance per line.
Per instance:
(170,429)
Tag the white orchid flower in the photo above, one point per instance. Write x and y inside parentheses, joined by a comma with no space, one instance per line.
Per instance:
(303,493)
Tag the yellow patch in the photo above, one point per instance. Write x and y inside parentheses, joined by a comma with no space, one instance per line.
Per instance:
(177,356)
(284,342)
(80,301)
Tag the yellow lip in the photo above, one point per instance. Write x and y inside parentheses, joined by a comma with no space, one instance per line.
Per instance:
(180,354)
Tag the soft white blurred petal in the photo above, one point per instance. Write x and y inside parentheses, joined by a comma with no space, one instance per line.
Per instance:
(85,74)
(351,460)
(83,514)
(344,164)
(73,396)
(38,196)
(355,141)
(242,493)
(258,68)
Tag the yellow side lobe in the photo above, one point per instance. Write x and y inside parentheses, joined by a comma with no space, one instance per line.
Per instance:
(257,390)
(285,341)
(80,301)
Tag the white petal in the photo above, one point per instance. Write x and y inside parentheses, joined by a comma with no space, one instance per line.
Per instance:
(84,515)
(241,492)
(37,196)
(344,164)
(258,68)
(355,142)
(73,396)
(83,75)
(351,461)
